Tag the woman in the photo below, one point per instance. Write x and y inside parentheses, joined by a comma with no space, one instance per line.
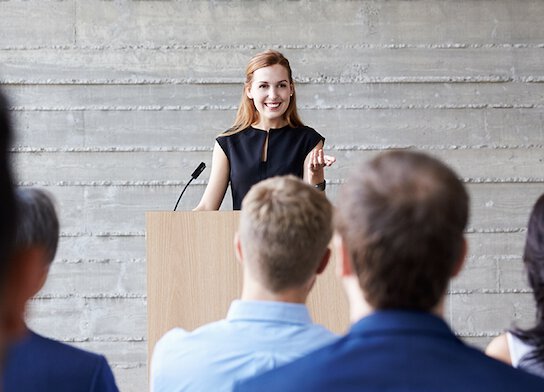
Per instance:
(267,139)
(521,348)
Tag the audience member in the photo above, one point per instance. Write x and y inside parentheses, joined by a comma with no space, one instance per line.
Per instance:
(37,363)
(400,221)
(11,302)
(524,348)
(282,244)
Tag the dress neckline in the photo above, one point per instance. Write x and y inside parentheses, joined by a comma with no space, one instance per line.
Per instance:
(271,129)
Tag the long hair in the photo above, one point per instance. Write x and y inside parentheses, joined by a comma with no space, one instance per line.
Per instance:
(533,258)
(247,114)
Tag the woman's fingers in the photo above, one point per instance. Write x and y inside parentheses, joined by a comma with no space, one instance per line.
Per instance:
(329,160)
(318,160)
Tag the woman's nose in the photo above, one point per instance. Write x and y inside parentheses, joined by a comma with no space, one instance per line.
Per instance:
(273,92)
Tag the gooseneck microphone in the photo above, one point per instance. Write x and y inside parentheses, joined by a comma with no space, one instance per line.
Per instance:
(194,176)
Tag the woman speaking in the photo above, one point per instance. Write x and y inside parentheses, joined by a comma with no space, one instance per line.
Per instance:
(267,139)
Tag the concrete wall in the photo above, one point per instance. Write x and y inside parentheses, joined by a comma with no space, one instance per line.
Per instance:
(116,102)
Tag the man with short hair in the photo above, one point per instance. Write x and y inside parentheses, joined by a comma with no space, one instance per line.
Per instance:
(36,363)
(401,239)
(282,243)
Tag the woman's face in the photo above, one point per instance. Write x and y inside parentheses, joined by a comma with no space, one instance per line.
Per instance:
(271,93)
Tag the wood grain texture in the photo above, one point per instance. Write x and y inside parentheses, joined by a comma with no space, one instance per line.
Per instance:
(193,275)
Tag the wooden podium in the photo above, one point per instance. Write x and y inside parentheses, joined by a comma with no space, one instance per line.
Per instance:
(193,274)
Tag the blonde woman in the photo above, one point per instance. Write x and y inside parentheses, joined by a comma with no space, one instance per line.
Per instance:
(267,139)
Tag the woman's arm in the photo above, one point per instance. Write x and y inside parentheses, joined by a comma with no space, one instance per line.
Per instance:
(218,182)
(498,349)
(315,163)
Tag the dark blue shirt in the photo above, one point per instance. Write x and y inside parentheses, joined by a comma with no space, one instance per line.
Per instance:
(396,351)
(39,364)
(287,149)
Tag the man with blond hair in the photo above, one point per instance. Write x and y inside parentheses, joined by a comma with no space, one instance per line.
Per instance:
(282,244)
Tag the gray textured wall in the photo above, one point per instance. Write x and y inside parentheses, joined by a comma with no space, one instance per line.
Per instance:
(117,101)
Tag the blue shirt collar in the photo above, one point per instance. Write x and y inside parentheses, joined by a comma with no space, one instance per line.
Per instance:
(285,312)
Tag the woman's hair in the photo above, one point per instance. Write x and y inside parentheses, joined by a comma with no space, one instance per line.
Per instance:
(533,258)
(247,114)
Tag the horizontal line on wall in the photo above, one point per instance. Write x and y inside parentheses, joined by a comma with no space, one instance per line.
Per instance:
(207,46)
(168,183)
(331,147)
(127,365)
(180,108)
(499,258)
(470,230)
(125,296)
(503,230)
(489,291)
(303,80)
(101,261)
(477,334)
(103,234)
(104,339)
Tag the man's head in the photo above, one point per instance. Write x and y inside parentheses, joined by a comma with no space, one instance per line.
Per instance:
(285,229)
(34,248)
(401,219)
(38,223)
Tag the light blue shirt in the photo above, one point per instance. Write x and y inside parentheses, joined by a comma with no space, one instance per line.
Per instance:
(256,336)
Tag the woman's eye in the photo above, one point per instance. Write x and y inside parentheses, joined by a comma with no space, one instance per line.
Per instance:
(283,85)
(262,86)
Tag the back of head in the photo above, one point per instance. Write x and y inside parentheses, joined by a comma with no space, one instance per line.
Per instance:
(533,255)
(402,217)
(285,229)
(533,258)
(38,224)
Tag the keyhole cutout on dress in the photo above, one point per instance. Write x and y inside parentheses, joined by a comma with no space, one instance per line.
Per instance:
(264,152)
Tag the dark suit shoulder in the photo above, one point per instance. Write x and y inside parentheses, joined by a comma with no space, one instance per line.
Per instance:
(42,364)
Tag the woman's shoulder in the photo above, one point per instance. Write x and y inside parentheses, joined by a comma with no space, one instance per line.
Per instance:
(499,349)
(309,134)
(231,133)
(305,130)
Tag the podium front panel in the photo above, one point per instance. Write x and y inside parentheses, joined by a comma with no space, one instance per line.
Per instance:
(193,274)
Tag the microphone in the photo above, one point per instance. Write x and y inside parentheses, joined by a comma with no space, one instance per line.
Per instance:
(194,176)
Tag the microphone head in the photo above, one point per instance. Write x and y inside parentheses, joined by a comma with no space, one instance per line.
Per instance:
(198,170)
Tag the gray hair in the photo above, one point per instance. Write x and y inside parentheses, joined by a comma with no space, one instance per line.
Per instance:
(38,224)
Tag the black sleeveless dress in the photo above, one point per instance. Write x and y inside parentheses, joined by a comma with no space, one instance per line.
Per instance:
(287,149)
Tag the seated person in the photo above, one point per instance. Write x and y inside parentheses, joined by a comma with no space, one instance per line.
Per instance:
(524,348)
(11,298)
(37,363)
(282,244)
(400,221)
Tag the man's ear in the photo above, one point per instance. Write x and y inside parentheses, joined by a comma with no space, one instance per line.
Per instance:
(238,248)
(461,260)
(343,259)
(324,261)
(25,278)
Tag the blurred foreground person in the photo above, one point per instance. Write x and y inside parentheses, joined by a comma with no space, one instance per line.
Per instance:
(524,348)
(36,363)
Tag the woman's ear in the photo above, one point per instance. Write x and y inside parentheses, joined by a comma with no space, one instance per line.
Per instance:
(248,92)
